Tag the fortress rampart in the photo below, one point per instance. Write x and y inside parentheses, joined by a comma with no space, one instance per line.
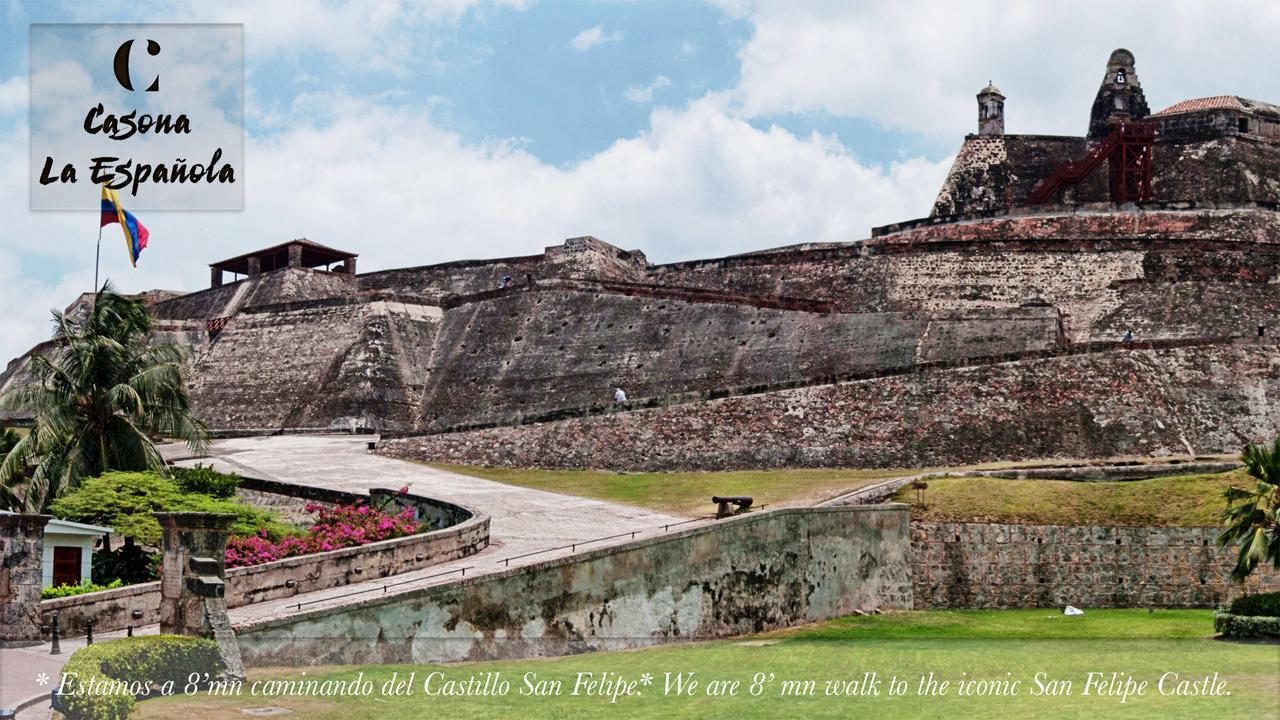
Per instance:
(1183,398)
(800,353)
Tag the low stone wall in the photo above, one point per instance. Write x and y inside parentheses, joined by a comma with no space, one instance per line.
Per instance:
(308,573)
(114,609)
(980,565)
(745,574)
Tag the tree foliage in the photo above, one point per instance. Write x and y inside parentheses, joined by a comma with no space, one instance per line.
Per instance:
(124,501)
(1252,517)
(98,396)
(8,438)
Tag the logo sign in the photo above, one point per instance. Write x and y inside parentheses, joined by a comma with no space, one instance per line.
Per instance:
(155,111)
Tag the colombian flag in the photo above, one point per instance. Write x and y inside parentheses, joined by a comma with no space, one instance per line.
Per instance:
(135,234)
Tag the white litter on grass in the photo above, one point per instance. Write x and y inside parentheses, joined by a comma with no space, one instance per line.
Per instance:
(1072,610)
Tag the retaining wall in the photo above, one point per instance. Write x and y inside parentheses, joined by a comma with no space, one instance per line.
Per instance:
(746,574)
(979,565)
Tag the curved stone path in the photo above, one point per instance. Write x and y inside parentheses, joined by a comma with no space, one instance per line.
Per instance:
(522,520)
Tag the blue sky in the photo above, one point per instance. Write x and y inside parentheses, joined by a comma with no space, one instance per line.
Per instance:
(418,131)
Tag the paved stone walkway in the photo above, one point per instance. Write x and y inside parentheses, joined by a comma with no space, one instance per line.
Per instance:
(522,521)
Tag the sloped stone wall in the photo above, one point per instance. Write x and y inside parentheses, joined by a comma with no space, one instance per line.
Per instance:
(321,365)
(987,565)
(281,286)
(537,352)
(1173,399)
(1105,271)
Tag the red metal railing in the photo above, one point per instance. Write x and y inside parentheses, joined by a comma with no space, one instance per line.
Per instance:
(1127,149)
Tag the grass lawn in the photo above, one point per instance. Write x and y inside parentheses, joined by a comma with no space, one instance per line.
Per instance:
(688,493)
(1183,500)
(955,646)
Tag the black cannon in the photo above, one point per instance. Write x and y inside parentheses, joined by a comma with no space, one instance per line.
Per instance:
(742,503)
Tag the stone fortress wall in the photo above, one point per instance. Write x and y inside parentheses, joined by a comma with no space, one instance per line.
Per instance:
(992,565)
(1163,398)
(749,355)
(307,350)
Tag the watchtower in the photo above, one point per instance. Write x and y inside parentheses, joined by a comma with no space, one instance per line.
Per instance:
(990,111)
(1119,97)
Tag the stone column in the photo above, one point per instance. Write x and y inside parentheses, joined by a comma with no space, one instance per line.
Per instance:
(215,277)
(295,256)
(21,575)
(255,266)
(193,569)
(351,266)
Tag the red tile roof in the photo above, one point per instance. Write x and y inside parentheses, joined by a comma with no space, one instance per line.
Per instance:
(1217,102)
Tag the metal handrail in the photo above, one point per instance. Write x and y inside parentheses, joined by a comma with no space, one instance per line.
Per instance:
(506,562)
(384,587)
(573,547)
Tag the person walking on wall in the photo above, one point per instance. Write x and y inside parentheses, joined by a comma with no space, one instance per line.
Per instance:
(619,397)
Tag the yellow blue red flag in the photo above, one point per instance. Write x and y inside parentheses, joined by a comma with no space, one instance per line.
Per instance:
(135,233)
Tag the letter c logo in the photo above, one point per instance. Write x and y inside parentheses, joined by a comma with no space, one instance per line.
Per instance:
(122,64)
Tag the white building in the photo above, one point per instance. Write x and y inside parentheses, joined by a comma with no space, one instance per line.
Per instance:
(68,551)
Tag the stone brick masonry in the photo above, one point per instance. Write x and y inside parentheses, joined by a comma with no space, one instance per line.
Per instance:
(978,565)
(1202,398)
(21,552)
(750,573)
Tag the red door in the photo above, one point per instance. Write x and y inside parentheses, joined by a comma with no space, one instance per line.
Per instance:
(66,566)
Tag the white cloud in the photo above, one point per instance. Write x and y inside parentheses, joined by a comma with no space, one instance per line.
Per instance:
(593,37)
(644,93)
(13,95)
(915,66)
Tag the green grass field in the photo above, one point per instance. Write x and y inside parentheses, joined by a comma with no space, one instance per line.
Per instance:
(956,646)
(689,493)
(1184,500)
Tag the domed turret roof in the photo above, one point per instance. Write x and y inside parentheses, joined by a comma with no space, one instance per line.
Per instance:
(990,90)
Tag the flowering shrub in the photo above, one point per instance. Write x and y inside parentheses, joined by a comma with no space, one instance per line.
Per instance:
(334,528)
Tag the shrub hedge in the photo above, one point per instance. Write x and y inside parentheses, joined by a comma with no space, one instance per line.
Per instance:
(203,479)
(101,680)
(84,587)
(1247,626)
(1264,604)
(125,500)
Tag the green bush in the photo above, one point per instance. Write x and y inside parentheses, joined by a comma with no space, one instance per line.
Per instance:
(125,500)
(205,480)
(117,669)
(1247,626)
(84,587)
(1264,604)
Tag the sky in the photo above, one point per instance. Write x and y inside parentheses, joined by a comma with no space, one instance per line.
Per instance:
(414,132)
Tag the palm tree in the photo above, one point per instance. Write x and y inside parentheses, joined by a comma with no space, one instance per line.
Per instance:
(97,397)
(1255,522)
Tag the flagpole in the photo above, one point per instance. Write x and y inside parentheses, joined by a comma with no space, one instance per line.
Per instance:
(96,255)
